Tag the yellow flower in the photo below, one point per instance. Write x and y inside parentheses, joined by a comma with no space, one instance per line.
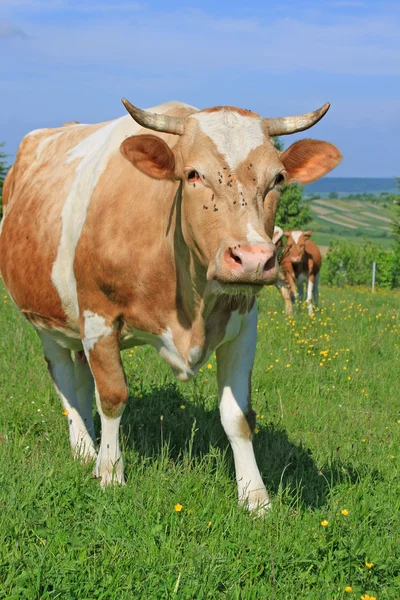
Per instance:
(182,406)
(209,523)
(209,366)
(65,412)
(369,565)
(189,511)
(324,523)
(348,588)
(367,597)
(256,430)
(398,421)
(288,365)
(363,440)
(178,507)
(345,512)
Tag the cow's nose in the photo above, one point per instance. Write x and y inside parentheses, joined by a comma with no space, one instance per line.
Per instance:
(251,261)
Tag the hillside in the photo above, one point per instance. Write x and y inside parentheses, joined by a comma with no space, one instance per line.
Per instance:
(351,218)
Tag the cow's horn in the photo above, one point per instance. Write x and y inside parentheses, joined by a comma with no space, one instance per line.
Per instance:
(150,120)
(285,125)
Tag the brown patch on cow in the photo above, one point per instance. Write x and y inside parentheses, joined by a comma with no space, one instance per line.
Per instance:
(106,365)
(43,320)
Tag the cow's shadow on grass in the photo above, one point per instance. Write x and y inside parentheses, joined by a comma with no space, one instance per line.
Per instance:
(164,416)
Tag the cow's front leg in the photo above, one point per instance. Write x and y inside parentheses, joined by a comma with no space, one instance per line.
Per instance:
(103,353)
(284,290)
(235,362)
(292,286)
(310,287)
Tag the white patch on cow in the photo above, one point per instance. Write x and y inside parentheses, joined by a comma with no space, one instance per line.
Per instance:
(94,328)
(169,352)
(109,465)
(94,153)
(45,142)
(195,355)
(296,236)
(253,237)
(235,361)
(233,134)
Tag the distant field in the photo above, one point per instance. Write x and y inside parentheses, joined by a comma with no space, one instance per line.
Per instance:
(352,219)
(326,393)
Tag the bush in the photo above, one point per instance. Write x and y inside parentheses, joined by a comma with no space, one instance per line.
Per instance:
(347,263)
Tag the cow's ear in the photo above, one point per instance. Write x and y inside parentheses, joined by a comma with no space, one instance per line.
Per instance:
(308,160)
(278,233)
(151,155)
(307,234)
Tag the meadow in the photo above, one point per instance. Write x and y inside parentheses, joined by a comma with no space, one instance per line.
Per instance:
(326,392)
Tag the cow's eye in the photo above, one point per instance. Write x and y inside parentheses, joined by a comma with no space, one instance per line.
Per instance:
(280,179)
(193,176)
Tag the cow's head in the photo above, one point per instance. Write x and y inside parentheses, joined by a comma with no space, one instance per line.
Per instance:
(296,244)
(231,178)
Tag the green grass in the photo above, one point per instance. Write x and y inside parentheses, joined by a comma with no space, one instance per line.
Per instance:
(328,439)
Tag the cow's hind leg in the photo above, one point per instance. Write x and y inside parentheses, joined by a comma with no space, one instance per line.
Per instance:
(84,390)
(62,372)
(102,350)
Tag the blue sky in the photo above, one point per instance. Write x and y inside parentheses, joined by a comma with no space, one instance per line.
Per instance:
(65,60)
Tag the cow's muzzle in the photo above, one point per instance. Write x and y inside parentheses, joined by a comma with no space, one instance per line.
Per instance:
(246,264)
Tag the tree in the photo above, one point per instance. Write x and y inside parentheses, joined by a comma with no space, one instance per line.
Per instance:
(3,172)
(291,212)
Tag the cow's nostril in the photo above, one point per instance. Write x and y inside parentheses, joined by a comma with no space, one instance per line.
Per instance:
(235,257)
(270,264)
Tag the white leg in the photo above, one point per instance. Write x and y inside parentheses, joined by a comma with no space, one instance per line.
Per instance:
(84,390)
(235,362)
(109,466)
(62,372)
(310,286)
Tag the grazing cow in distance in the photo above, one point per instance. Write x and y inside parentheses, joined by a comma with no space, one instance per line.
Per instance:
(301,263)
(281,282)
(155,228)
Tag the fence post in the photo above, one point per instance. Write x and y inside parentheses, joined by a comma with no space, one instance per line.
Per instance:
(373,276)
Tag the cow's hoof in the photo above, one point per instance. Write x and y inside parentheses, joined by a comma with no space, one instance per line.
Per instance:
(85,453)
(258,503)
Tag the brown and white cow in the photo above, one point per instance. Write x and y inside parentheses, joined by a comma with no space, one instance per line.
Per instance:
(301,263)
(114,236)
